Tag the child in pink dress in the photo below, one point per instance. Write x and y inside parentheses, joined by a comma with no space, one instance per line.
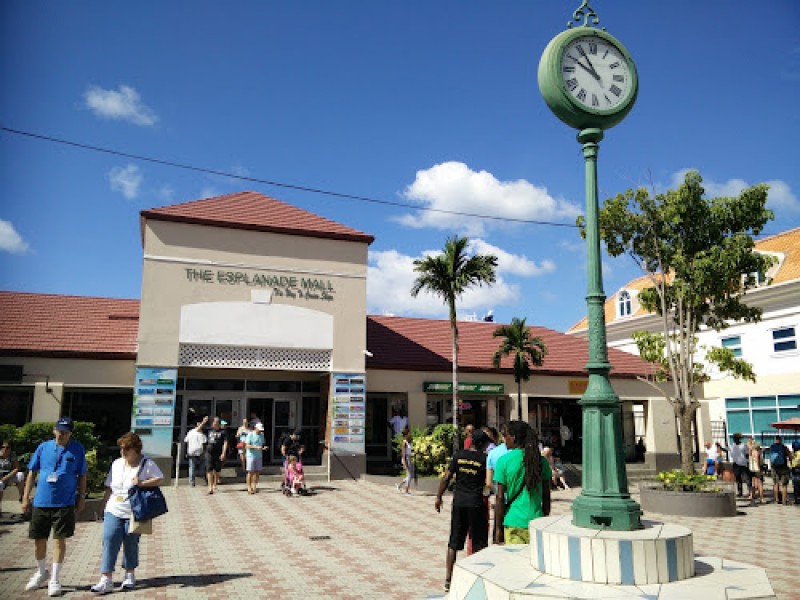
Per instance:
(294,473)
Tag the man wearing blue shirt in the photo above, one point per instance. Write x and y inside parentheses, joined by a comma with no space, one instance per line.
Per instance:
(60,491)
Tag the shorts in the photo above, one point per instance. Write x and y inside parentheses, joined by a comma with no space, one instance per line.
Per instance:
(517,535)
(780,475)
(60,519)
(213,463)
(254,463)
(472,520)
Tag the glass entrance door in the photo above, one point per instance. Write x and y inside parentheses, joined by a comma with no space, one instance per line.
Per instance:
(284,412)
(197,405)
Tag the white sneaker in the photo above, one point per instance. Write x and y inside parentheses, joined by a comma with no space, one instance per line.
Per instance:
(54,588)
(37,580)
(129,583)
(104,586)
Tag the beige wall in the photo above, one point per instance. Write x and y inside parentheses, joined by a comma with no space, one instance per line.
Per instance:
(172,248)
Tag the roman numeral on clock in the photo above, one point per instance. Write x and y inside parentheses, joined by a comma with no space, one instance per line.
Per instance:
(592,48)
(572,84)
(569,69)
(619,78)
(579,48)
(581,95)
(613,65)
(615,90)
(594,100)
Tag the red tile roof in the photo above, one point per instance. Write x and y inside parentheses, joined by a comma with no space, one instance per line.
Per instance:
(425,344)
(67,326)
(87,327)
(257,212)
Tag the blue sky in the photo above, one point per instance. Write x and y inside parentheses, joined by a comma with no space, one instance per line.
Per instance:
(433,104)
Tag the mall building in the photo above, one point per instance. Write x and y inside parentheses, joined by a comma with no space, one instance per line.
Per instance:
(255,309)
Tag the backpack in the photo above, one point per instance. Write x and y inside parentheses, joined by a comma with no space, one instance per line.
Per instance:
(777,455)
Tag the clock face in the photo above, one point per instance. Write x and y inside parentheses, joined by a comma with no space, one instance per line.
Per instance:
(596,74)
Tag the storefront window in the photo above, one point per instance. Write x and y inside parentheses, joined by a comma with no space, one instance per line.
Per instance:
(109,410)
(17,406)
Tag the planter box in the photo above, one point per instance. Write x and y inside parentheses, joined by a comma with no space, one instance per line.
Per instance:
(689,504)
(92,512)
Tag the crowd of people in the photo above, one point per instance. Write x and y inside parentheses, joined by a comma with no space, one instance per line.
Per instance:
(751,462)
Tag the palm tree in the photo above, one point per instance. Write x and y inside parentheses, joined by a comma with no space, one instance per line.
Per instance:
(526,350)
(449,275)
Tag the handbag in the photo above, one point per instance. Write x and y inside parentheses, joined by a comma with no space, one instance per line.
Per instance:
(240,445)
(146,502)
(140,527)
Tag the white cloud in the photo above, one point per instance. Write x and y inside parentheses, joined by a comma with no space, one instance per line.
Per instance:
(453,186)
(10,240)
(515,264)
(123,104)
(391,276)
(780,196)
(208,192)
(166,193)
(126,180)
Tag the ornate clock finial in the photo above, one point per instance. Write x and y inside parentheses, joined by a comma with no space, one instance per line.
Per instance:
(586,15)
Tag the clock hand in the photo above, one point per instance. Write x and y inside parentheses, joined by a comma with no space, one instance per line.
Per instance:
(590,70)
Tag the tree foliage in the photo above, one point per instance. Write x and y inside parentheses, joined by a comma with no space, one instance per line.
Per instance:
(526,350)
(449,275)
(698,254)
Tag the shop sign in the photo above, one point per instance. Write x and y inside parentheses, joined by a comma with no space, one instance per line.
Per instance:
(289,286)
(435,387)
(154,408)
(349,411)
(577,386)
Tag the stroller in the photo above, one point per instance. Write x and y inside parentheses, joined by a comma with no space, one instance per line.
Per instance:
(294,481)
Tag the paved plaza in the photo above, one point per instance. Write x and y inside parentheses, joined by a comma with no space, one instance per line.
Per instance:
(349,540)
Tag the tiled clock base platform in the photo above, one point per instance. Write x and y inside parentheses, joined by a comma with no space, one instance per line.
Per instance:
(564,561)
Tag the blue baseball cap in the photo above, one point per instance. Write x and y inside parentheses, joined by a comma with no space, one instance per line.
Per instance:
(64,424)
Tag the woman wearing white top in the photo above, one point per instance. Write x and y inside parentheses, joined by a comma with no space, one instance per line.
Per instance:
(123,475)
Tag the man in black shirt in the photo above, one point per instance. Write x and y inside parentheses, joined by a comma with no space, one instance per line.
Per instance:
(469,516)
(216,451)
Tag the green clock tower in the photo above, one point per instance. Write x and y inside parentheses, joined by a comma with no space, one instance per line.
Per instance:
(589,81)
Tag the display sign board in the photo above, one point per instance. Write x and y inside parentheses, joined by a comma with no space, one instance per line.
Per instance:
(443,387)
(348,412)
(154,408)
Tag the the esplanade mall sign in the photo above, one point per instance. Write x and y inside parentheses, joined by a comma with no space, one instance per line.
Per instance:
(289,286)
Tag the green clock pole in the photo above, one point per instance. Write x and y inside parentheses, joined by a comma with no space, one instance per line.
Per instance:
(604,502)
(589,81)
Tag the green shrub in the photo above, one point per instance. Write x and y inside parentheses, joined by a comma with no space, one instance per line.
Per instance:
(678,481)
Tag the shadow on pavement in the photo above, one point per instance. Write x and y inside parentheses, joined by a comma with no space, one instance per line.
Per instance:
(190,580)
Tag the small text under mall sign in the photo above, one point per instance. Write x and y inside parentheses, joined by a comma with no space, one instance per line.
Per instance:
(289,286)
(435,387)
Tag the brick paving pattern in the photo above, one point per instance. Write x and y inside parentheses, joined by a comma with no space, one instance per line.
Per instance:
(382,545)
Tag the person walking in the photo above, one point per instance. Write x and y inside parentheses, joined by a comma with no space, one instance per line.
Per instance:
(216,451)
(407,456)
(241,437)
(755,466)
(779,457)
(255,446)
(741,466)
(195,441)
(10,473)
(523,485)
(469,516)
(60,465)
(130,469)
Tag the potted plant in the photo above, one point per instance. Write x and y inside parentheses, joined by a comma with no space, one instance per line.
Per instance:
(692,495)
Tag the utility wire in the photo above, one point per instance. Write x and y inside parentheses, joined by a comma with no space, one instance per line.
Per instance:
(290,186)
